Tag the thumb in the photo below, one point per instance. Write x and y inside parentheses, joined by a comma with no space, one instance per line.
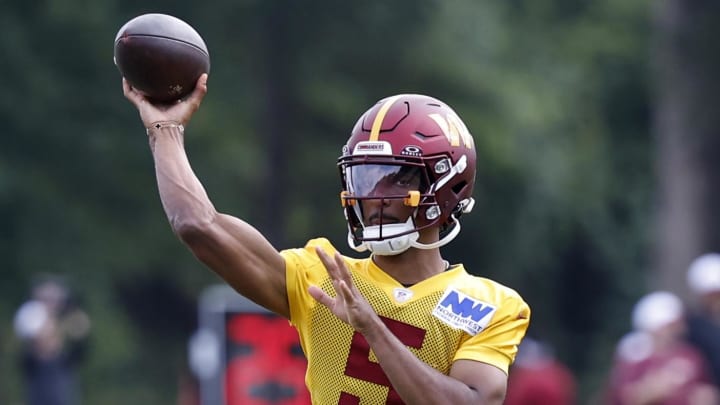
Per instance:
(193,101)
(199,91)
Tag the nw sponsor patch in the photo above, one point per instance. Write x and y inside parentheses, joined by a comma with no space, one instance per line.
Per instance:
(463,312)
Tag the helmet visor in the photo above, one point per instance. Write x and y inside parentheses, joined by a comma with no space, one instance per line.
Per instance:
(385,180)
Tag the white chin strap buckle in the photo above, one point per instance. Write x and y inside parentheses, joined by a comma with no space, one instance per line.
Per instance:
(390,245)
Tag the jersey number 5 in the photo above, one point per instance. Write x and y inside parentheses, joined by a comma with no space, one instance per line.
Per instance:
(361,367)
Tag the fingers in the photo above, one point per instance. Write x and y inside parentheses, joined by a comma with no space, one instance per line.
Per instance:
(340,263)
(320,295)
(130,93)
(194,98)
(197,95)
(202,81)
(180,112)
(343,289)
(335,266)
(339,274)
(325,259)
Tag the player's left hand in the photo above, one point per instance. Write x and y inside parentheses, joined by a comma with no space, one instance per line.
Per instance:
(348,304)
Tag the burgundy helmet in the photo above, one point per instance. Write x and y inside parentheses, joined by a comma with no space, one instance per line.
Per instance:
(408,136)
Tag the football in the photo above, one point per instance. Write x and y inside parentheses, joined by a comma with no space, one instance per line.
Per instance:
(161,56)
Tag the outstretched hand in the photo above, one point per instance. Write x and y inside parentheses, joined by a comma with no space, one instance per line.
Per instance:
(180,111)
(348,304)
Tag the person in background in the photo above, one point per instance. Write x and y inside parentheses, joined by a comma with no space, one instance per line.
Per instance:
(703,319)
(654,364)
(538,378)
(53,332)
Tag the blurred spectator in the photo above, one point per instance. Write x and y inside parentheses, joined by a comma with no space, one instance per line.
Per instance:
(538,378)
(654,364)
(704,319)
(53,331)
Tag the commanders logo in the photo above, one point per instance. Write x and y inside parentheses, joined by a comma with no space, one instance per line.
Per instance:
(454,130)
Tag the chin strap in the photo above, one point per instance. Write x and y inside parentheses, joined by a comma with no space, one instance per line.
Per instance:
(466,206)
(395,245)
(442,241)
(399,244)
(390,246)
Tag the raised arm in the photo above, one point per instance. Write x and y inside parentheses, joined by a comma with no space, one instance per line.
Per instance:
(233,249)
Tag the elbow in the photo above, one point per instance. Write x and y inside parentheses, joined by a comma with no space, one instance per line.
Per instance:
(492,396)
(192,230)
(198,236)
(488,396)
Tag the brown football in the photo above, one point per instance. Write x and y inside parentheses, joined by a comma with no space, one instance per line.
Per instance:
(160,55)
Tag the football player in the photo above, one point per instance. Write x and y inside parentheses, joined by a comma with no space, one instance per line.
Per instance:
(399,326)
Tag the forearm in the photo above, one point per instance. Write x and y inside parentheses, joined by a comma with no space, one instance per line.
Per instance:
(183,196)
(415,381)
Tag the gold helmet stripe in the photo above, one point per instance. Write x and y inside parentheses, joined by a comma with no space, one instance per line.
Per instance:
(377,124)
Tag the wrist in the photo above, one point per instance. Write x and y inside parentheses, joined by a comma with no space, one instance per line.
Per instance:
(372,328)
(158,125)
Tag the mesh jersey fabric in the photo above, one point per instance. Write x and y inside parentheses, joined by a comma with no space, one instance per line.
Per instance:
(341,367)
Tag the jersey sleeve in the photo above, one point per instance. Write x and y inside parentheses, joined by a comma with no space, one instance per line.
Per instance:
(303,268)
(498,343)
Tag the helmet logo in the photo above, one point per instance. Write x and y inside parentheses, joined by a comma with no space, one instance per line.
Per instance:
(411,150)
(453,129)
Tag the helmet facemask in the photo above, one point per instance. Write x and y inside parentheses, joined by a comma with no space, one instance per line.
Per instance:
(373,186)
(410,148)
(378,182)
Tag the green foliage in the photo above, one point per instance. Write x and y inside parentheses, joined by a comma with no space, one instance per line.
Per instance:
(554,92)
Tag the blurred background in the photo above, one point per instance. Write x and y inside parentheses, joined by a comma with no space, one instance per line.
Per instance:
(595,123)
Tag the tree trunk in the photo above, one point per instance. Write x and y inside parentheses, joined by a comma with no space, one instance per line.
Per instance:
(687,126)
(276,118)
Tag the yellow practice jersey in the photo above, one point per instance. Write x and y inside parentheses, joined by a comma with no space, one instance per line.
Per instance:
(450,316)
